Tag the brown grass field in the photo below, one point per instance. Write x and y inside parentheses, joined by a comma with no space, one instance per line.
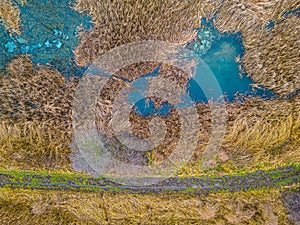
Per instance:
(36,115)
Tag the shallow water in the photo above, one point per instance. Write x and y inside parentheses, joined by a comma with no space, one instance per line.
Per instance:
(49,35)
(221,59)
(221,53)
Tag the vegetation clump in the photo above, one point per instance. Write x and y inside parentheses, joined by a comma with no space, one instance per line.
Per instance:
(36,102)
(10,16)
(121,22)
(272,58)
(271,53)
(35,114)
(44,207)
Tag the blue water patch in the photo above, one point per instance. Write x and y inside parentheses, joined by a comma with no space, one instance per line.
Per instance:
(222,59)
(145,107)
(49,31)
(221,53)
(206,36)
(49,35)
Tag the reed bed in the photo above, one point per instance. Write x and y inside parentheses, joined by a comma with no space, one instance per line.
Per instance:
(10,16)
(120,22)
(139,124)
(40,99)
(258,130)
(136,70)
(35,93)
(271,56)
(36,125)
(260,134)
(33,146)
(44,207)
(266,132)
(36,122)
(251,16)
(35,115)
(262,124)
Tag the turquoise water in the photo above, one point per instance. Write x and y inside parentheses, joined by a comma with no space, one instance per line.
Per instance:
(49,35)
(221,53)
(222,58)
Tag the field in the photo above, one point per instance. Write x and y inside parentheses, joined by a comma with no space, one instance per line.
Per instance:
(245,164)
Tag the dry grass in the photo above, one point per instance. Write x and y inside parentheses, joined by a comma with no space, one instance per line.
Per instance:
(29,93)
(35,110)
(33,146)
(10,16)
(35,114)
(261,134)
(263,125)
(265,133)
(52,207)
(36,127)
(120,22)
(251,16)
(140,125)
(257,130)
(271,58)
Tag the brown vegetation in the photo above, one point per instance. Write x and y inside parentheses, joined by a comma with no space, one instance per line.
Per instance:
(260,134)
(52,207)
(10,16)
(251,16)
(36,102)
(271,58)
(35,114)
(121,22)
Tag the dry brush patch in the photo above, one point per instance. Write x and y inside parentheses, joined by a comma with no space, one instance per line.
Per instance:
(271,57)
(36,127)
(121,22)
(265,132)
(260,134)
(10,16)
(279,73)
(263,124)
(139,124)
(251,16)
(41,207)
(35,116)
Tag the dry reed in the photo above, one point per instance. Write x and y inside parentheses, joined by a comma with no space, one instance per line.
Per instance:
(35,114)
(44,207)
(271,57)
(120,22)
(10,16)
